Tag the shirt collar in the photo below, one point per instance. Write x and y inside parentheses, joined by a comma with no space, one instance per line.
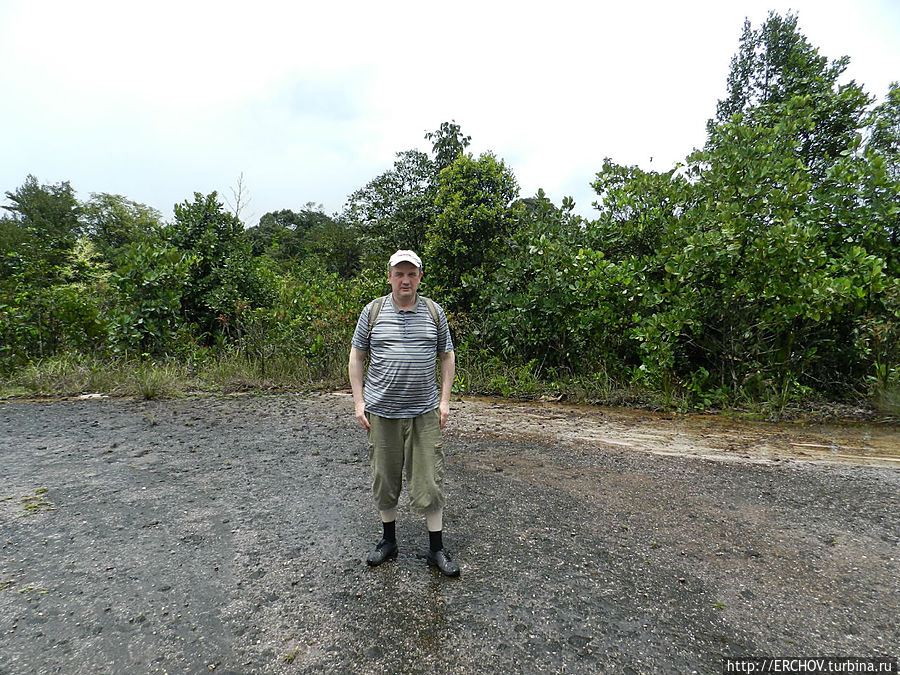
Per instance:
(415,307)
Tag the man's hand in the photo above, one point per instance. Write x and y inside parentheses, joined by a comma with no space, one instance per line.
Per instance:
(361,415)
(448,372)
(356,367)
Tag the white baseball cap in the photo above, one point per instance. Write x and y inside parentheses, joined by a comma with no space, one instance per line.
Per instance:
(405,256)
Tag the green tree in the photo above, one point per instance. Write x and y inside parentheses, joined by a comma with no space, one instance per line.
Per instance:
(883,148)
(474,216)
(749,286)
(884,130)
(552,299)
(46,302)
(13,238)
(282,235)
(223,279)
(335,246)
(149,282)
(756,268)
(45,224)
(309,235)
(774,64)
(447,143)
(394,210)
(112,222)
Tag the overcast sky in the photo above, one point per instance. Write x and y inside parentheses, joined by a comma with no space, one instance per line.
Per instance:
(309,101)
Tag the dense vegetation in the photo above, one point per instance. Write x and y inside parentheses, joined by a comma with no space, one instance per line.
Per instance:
(762,271)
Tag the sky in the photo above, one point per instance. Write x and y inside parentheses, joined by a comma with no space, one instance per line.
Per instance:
(303,102)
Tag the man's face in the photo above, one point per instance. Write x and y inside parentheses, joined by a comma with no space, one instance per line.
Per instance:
(404,278)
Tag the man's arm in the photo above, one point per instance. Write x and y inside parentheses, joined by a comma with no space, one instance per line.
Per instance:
(448,373)
(356,368)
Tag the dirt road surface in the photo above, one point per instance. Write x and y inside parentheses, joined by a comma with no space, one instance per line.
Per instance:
(227,535)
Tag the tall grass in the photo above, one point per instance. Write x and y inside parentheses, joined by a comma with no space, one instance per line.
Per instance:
(231,371)
(481,373)
(76,374)
(234,370)
(888,403)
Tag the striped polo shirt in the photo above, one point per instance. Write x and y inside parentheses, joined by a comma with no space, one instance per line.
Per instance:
(401,380)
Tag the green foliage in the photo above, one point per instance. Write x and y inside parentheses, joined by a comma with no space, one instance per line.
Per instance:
(774,65)
(754,272)
(884,125)
(883,152)
(113,222)
(47,277)
(447,143)
(44,226)
(763,271)
(40,321)
(223,278)
(310,323)
(474,216)
(336,247)
(290,238)
(12,239)
(150,280)
(394,210)
(282,235)
(757,265)
(550,297)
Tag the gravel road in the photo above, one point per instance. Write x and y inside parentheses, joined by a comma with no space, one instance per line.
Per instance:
(227,535)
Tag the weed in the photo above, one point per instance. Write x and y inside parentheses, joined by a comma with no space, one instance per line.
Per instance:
(888,402)
(155,380)
(36,503)
(291,655)
(31,588)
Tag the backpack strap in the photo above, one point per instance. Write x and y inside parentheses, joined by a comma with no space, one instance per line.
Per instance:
(432,309)
(374,308)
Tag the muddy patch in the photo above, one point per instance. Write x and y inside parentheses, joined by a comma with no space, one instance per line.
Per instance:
(689,435)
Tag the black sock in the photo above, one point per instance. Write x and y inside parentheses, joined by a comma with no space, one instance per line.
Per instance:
(390,530)
(436,540)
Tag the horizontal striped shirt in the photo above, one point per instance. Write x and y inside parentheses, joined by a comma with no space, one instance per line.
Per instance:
(401,380)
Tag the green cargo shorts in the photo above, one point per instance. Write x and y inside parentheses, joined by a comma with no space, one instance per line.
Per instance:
(413,444)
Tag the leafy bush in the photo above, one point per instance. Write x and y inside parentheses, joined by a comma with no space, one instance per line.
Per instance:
(149,281)
(553,299)
(310,324)
(222,277)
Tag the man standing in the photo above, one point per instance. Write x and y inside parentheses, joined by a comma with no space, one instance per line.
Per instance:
(400,406)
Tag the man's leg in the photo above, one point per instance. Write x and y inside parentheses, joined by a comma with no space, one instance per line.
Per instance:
(386,461)
(437,555)
(425,474)
(389,524)
(434,521)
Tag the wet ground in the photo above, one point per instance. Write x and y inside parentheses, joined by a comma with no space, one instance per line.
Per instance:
(228,535)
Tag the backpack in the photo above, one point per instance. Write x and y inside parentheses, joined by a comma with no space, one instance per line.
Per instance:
(376,304)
